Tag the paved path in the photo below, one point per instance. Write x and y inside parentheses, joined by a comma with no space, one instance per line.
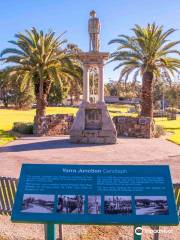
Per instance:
(60,150)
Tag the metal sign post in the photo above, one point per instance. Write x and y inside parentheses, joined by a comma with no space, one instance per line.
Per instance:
(50,231)
(137,232)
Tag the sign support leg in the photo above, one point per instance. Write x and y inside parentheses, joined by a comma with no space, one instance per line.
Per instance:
(60,232)
(50,233)
(156,234)
(137,229)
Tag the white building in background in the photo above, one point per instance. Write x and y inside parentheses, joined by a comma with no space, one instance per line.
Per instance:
(117,100)
(68,100)
(108,100)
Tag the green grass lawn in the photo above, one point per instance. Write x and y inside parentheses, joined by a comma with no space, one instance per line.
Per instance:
(172,126)
(5,137)
(9,116)
(120,110)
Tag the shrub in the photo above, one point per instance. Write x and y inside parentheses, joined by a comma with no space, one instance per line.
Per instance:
(171,110)
(132,110)
(24,128)
(159,131)
(159,113)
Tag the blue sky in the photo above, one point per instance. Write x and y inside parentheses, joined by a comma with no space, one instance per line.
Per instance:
(117,17)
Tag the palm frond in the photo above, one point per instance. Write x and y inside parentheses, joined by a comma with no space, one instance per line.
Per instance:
(148,49)
(40,58)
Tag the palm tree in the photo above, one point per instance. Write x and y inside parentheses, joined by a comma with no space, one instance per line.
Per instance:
(39,58)
(146,53)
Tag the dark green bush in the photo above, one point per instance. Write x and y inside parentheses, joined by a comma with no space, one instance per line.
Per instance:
(24,128)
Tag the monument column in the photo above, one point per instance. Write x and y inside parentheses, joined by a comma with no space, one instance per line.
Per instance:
(101,84)
(93,123)
(85,83)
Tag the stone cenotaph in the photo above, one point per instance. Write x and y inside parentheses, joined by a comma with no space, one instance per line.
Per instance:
(93,123)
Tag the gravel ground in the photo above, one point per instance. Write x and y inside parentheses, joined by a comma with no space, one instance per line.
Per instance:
(18,231)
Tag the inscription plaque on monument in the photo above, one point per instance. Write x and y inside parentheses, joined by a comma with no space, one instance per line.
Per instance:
(93,119)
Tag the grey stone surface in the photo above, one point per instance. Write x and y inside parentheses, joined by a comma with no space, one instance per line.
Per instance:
(140,127)
(55,125)
(61,150)
(107,132)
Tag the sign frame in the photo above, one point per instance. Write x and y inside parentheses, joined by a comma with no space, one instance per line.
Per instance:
(161,170)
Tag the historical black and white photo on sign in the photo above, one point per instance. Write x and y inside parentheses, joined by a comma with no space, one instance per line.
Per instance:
(117,205)
(151,205)
(94,204)
(70,204)
(37,203)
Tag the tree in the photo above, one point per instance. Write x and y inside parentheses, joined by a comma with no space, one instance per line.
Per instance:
(123,90)
(5,88)
(146,53)
(12,91)
(23,94)
(39,58)
(172,94)
(75,84)
(57,94)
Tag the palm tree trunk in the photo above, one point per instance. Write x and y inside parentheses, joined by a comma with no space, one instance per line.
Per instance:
(72,102)
(147,95)
(41,106)
(40,112)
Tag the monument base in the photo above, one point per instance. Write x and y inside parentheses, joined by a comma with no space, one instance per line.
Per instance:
(93,124)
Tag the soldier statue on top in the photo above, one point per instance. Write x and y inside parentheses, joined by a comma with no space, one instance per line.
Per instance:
(94,30)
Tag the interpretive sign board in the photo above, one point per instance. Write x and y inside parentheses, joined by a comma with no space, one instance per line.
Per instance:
(95,194)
